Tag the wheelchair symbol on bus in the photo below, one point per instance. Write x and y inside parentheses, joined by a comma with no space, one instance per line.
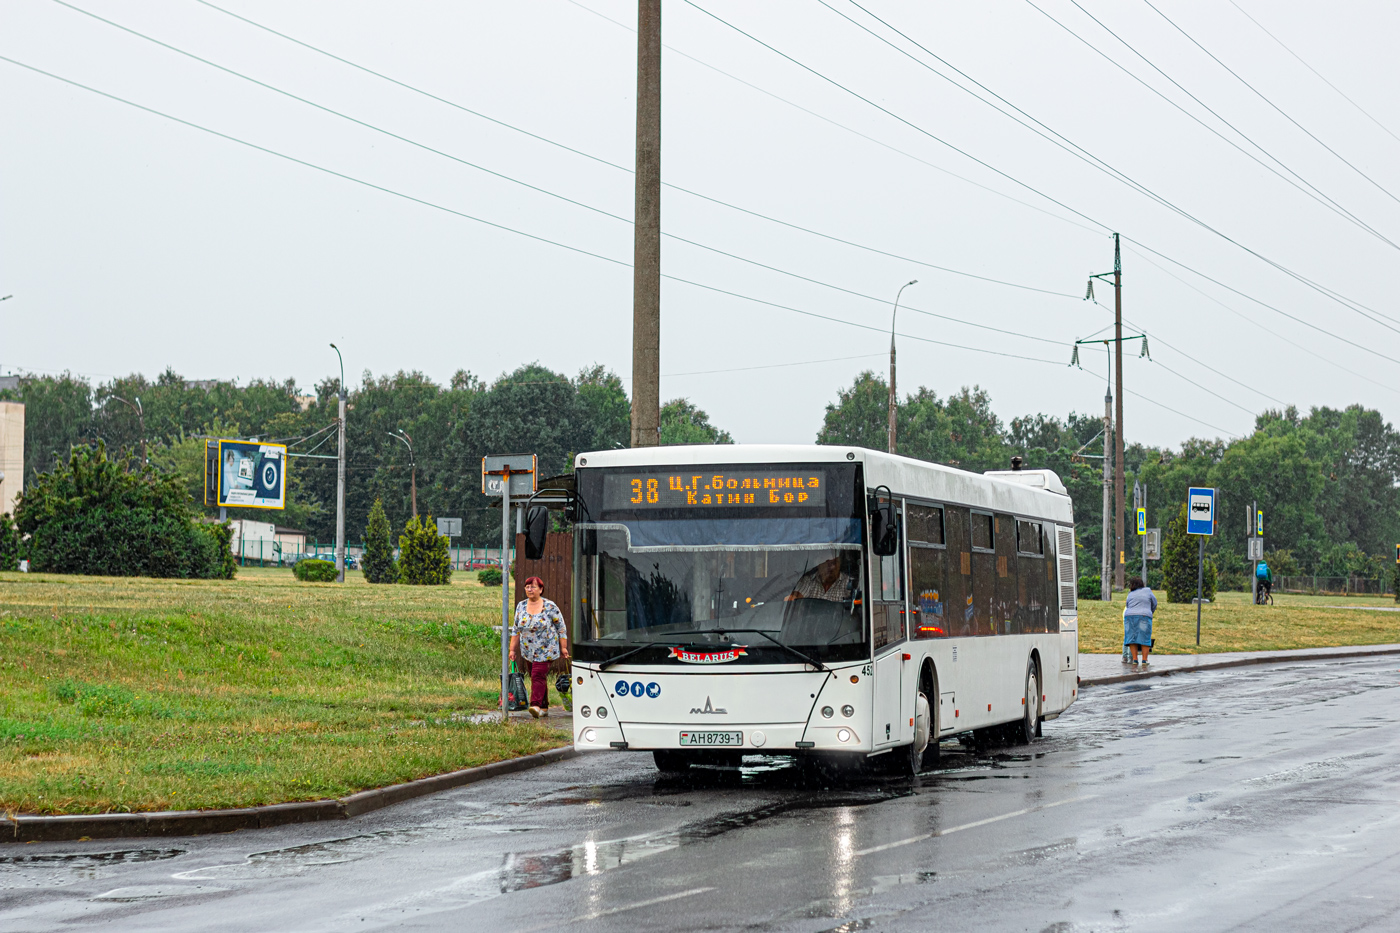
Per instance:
(638,689)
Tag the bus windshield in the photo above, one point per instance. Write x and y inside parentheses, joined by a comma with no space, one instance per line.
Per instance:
(669,573)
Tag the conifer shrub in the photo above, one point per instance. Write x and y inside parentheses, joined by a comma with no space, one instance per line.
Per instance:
(379,565)
(1179,564)
(423,557)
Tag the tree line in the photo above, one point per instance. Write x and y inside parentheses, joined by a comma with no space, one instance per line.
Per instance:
(1326,481)
(451,427)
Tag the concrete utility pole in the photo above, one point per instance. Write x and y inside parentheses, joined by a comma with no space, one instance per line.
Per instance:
(894,403)
(1106,566)
(1121,564)
(646,250)
(340,480)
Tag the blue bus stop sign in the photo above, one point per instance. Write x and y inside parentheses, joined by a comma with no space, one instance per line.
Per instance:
(1200,510)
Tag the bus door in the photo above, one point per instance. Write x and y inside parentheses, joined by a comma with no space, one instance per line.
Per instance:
(887,614)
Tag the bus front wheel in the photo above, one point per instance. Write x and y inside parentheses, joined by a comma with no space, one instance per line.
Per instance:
(1024,732)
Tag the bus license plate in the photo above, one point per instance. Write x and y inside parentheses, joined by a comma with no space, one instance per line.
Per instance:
(712,738)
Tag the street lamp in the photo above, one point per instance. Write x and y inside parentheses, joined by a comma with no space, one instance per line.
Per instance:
(340,479)
(402,435)
(892,388)
(140,417)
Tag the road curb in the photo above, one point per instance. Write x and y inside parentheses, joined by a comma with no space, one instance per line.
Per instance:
(23,828)
(1262,658)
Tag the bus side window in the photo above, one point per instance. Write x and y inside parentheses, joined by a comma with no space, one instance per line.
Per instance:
(887,587)
(958,596)
(927,569)
(1009,617)
(984,574)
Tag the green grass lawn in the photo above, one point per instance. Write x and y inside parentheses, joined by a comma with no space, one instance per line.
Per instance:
(137,694)
(1232,623)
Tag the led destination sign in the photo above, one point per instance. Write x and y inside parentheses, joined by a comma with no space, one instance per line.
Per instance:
(673,490)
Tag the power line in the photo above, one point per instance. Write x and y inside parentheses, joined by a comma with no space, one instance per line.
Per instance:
(1314,193)
(676,187)
(536,188)
(1335,296)
(1275,106)
(1311,352)
(1313,70)
(497,226)
(623,168)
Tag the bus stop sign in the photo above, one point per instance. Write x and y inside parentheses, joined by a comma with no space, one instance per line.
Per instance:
(1200,511)
(519,467)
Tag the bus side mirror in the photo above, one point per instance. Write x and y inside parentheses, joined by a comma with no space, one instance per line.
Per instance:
(536,530)
(884,531)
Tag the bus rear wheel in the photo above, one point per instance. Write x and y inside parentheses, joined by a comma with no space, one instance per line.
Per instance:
(1024,732)
(671,761)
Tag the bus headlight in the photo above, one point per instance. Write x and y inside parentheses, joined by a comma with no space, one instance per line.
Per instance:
(843,735)
(848,711)
(602,712)
(585,712)
(590,735)
(828,712)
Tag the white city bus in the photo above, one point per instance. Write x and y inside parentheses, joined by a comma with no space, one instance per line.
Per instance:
(832,603)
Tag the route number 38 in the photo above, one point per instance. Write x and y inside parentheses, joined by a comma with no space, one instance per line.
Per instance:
(647,493)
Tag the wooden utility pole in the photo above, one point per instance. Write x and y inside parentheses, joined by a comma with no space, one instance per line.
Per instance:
(1118,501)
(646,252)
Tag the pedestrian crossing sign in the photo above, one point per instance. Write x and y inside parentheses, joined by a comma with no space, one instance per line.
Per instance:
(1142,521)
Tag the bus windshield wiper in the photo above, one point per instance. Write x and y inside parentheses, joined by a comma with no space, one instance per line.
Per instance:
(621,657)
(652,644)
(786,647)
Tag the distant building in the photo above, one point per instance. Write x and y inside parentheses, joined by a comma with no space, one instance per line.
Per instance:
(9,382)
(304,401)
(264,541)
(205,384)
(11,453)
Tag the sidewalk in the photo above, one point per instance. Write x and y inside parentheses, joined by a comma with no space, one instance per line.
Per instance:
(1101,669)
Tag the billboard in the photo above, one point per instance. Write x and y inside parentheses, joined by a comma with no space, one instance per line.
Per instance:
(252,475)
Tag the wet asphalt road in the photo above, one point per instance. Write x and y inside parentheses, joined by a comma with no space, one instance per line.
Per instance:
(1263,798)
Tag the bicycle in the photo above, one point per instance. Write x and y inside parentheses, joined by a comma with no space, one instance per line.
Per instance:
(1265,596)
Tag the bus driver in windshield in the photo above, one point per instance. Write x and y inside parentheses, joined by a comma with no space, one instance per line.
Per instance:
(826,581)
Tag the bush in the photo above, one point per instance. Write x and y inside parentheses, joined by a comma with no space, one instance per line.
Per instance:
(489,576)
(311,570)
(218,538)
(378,565)
(1089,588)
(423,557)
(9,543)
(97,516)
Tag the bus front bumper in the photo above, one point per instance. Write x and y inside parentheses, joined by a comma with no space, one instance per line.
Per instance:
(745,738)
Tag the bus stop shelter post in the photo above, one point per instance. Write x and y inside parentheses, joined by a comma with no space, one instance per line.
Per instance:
(1200,583)
(505,592)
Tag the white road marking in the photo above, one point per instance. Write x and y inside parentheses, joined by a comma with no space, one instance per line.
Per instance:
(957,829)
(617,910)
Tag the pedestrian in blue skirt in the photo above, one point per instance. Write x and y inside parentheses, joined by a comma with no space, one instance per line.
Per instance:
(1137,619)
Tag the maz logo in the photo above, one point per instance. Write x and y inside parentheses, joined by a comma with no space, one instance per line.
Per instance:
(708,710)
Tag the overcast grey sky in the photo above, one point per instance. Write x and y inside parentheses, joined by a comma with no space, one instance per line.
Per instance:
(133,243)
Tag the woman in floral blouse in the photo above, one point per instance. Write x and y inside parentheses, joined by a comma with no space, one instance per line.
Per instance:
(538,636)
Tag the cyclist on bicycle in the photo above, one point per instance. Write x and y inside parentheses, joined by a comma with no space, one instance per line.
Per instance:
(1265,578)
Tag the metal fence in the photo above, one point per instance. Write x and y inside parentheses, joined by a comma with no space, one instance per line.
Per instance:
(1333,586)
(266,552)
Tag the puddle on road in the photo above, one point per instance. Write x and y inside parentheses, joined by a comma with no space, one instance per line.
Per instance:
(92,859)
(532,870)
(276,863)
